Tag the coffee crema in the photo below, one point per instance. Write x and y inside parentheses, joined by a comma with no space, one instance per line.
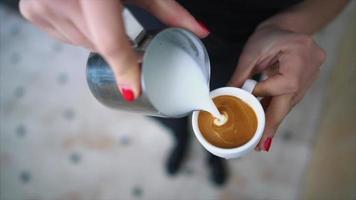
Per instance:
(239,128)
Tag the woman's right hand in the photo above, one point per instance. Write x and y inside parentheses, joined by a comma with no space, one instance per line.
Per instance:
(98,26)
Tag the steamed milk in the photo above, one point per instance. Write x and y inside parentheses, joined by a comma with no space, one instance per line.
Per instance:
(175,83)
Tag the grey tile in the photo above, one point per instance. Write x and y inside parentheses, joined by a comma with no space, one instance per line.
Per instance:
(69,114)
(137,191)
(19,92)
(15,58)
(75,157)
(25,177)
(62,78)
(21,130)
(125,140)
(57,47)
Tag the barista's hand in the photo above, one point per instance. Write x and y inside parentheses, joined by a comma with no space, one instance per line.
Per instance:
(98,26)
(292,61)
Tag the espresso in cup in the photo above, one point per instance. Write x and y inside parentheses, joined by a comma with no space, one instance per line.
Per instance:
(236,128)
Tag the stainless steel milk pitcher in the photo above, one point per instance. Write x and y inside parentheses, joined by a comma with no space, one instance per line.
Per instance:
(101,79)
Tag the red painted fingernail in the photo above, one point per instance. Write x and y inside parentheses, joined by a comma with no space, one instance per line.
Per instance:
(203,25)
(267,144)
(128,94)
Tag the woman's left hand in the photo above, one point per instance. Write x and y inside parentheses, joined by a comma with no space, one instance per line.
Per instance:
(292,62)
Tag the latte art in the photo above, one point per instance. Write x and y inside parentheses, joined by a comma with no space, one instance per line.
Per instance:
(222,120)
(235,129)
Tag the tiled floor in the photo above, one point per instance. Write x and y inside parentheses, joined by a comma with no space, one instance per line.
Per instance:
(58,142)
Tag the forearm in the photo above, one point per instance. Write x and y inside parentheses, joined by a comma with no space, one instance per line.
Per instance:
(308,16)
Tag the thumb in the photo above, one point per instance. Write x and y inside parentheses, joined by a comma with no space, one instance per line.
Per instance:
(173,14)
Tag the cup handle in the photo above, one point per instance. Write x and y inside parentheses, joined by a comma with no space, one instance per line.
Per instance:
(249,85)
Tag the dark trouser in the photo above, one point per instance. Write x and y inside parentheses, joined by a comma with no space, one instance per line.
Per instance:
(223,60)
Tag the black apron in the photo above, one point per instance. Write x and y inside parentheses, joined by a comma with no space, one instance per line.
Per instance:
(234,20)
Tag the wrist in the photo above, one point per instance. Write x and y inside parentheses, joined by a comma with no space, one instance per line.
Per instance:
(307,17)
(285,21)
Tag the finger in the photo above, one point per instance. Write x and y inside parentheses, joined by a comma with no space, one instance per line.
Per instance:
(69,30)
(265,102)
(51,30)
(34,12)
(173,14)
(281,78)
(72,25)
(243,70)
(277,110)
(107,32)
(274,86)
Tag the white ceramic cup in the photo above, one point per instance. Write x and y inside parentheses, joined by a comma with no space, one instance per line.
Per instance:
(245,95)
